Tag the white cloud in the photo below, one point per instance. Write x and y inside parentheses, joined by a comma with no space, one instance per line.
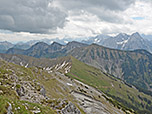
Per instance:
(85,23)
(141,9)
(23,36)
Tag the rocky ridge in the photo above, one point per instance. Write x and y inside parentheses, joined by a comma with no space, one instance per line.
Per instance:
(30,85)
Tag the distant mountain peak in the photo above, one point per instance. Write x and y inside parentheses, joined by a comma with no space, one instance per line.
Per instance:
(122,34)
(136,37)
(39,46)
(56,43)
(136,34)
(40,43)
(76,44)
(94,44)
(73,42)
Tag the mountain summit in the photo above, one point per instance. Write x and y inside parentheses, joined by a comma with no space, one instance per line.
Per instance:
(123,42)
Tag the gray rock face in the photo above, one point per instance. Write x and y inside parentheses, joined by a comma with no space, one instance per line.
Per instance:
(42,91)
(135,41)
(9,109)
(93,106)
(70,109)
(99,39)
(1,92)
(20,91)
(117,42)
(31,94)
(63,106)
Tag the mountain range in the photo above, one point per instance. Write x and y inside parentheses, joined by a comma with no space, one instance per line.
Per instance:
(42,49)
(132,66)
(5,45)
(77,77)
(122,42)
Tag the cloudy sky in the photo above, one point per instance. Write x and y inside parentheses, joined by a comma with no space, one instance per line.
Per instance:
(23,20)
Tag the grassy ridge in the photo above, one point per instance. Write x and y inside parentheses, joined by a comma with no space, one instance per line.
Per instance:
(36,77)
(19,107)
(132,66)
(115,88)
(9,96)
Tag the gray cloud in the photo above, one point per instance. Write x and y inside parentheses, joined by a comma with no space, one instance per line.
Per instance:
(37,16)
(106,10)
(107,4)
(45,16)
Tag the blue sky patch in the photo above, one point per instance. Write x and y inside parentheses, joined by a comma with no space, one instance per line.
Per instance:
(138,18)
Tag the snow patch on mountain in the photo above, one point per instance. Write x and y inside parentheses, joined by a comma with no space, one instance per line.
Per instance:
(123,43)
(66,42)
(96,40)
(51,42)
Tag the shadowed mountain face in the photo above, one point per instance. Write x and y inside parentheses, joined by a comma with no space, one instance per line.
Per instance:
(26,45)
(132,66)
(42,49)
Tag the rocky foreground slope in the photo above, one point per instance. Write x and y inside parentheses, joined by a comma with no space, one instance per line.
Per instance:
(31,89)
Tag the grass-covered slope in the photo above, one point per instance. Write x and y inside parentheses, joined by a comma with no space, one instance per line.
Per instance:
(135,67)
(46,90)
(22,107)
(46,71)
(32,90)
(11,79)
(125,94)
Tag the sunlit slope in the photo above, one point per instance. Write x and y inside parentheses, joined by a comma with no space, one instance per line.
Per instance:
(47,90)
(125,94)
